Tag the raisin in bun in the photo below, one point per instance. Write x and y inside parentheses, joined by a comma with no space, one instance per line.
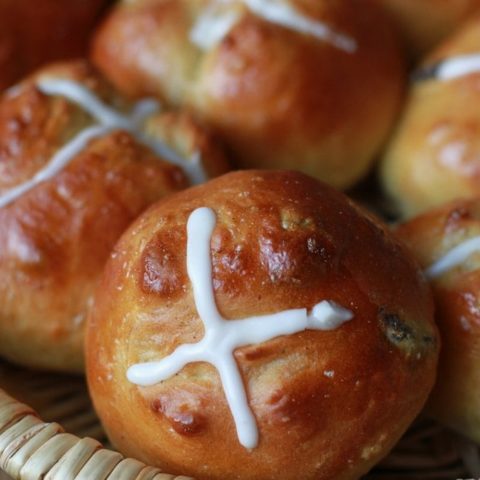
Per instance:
(425,23)
(446,241)
(311,85)
(78,164)
(328,316)
(35,33)
(434,155)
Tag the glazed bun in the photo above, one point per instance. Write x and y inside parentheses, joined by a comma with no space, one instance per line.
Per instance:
(425,23)
(310,85)
(76,168)
(318,323)
(35,33)
(434,155)
(446,241)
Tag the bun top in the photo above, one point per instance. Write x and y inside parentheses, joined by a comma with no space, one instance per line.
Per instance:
(446,241)
(222,337)
(432,157)
(283,82)
(312,297)
(78,164)
(444,238)
(70,104)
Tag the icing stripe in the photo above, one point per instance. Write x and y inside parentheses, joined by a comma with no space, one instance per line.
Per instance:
(453,258)
(216,22)
(212,26)
(132,124)
(108,120)
(86,100)
(458,67)
(285,15)
(56,164)
(450,68)
(223,336)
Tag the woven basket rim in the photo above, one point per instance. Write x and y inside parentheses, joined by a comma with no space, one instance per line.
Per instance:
(33,449)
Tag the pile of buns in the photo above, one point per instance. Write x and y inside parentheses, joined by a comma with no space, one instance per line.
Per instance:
(172,224)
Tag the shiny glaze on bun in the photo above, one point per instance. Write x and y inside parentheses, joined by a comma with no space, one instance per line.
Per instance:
(328,404)
(279,96)
(57,234)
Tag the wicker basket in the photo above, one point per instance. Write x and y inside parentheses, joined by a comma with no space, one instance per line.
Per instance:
(33,449)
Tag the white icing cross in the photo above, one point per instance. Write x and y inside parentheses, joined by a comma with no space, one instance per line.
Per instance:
(215,23)
(458,66)
(212,26)
(453,258)
(107,120)
(223,336)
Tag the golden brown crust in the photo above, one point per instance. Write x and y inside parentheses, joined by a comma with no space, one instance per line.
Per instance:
(425,23)
(434,154)
(191,140)
(51,30)
(55,238)
(463,41)
(265,88)
(282,240)
(455,399)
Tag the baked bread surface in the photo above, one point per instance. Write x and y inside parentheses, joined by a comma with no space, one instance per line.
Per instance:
(455,400)
(327,404)
(281,98)
(433,156)
(57,235)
